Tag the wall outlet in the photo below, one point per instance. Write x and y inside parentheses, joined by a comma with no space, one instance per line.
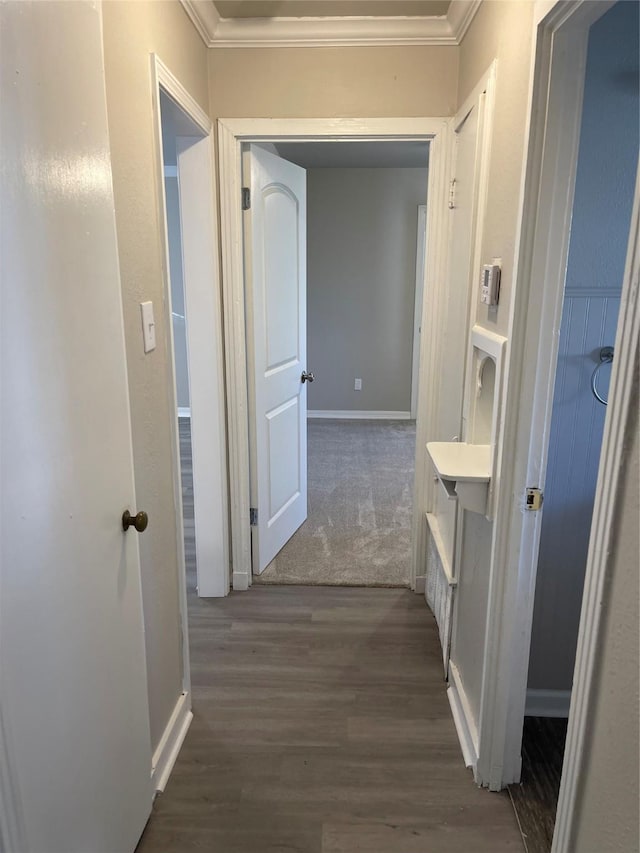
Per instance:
(357,385)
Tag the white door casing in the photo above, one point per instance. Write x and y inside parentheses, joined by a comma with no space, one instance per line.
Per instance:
(275,277)
(195,171)
(421,241)
(233,134)
(74,715)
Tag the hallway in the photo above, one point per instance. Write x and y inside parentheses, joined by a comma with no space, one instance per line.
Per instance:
(321,725)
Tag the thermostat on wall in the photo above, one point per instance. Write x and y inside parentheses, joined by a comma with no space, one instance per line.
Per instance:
(490,284)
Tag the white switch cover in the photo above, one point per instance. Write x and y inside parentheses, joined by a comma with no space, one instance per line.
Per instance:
(357,386)
(148,326)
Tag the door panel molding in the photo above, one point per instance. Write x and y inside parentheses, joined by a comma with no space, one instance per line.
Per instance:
(232,133)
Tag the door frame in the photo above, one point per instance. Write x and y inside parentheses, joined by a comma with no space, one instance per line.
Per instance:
(553,133)
(421,259)
(232,133)
(206,378)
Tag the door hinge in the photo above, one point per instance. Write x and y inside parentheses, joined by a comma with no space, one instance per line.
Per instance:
(253,516)
(534,499)
(452,194)
(246,198)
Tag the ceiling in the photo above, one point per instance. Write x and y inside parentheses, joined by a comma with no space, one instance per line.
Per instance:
(330,23)
(356,155)
(328,8)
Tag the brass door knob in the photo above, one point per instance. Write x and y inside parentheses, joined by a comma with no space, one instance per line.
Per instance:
(140,521)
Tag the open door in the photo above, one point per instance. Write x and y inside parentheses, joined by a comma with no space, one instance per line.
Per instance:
(75,751)
(275,280)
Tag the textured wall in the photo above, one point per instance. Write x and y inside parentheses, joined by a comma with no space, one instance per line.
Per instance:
(361,267)
(503,31)
(607,816)
(327,82)
(132,31)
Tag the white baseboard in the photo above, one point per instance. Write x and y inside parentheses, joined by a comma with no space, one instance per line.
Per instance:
(462,718)
(421,585)
(351,414)
(547,703)
(240,581)
(167,750)
(184,412)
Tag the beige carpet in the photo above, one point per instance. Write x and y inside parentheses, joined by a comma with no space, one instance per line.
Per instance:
(360,485)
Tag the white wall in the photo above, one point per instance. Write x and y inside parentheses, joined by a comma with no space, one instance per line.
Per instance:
(607,163)
(361,249)
(177,291)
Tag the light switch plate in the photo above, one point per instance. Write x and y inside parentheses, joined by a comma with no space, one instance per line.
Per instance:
(148,326)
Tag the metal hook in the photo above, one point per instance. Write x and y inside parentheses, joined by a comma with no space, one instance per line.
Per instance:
(606,357)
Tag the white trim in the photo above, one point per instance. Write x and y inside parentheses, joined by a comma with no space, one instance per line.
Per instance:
(204,16)
(547,703)
(351,415)
(482,97)
(436,277)
(344,31)
(553,127)
(460,15)
(160,75)
(204,342)
(421,238)
(172,739)
(241,581)
(232,133)
(447,567)
(606,507)
(184,412)
(462,718)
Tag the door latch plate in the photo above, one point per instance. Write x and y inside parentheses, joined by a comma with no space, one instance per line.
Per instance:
(534,499)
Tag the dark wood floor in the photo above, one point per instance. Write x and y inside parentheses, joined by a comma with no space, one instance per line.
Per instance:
(321,725)
(535,799)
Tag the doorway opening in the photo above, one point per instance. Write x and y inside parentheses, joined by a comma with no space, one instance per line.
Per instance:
(364,217)
(177,124)
(597,250)
(232,135)
(194,332)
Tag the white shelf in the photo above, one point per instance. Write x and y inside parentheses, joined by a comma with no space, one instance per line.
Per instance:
(464,470)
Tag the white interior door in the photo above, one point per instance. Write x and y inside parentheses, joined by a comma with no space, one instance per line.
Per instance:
(74,717)
(275,277)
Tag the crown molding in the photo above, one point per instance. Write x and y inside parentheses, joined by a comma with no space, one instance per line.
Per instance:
(460,14)
(356,31)
(204,17)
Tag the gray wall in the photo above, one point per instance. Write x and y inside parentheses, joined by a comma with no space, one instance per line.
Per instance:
(607,815)
(177,290)
(361,250)
(607,164)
